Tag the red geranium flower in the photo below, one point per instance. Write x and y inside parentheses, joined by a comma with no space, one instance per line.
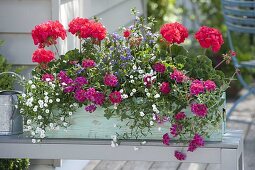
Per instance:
(126,33)
(47,33)
(80,27)
(42,56)
(174,32)
(209,37)
(85,28)
(98,31)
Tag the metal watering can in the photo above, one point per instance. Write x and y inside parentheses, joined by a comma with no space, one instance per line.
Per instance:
(11,121)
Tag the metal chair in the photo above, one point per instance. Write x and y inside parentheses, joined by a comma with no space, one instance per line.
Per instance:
(240,17)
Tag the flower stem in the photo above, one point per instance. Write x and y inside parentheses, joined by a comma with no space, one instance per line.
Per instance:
(205,51)
(57,50)
(80,45)
(219,64)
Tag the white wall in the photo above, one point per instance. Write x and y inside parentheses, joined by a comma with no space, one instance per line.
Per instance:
(18,18)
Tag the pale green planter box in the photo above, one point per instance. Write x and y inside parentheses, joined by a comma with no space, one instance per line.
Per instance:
(96,126)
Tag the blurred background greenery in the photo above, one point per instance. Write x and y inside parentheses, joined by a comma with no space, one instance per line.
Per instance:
(205,12)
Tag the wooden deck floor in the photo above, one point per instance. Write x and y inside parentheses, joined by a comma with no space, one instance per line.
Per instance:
(245,111)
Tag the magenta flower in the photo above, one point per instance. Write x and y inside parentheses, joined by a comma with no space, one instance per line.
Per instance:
(210,85)
(99,98)
(90,108)
(110,80)
(199,109)
(166,139)
(178,76)
(63,78)
(80,81)
(88,63)
(79,95)
(115,97)
(47,77)
(165,88)
(159,67)
(69,89)
(175,129)
(196,142)
(179,155)
(196,87)
(180,116)
(89,94)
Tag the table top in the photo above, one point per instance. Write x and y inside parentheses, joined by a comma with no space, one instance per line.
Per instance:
(18,146)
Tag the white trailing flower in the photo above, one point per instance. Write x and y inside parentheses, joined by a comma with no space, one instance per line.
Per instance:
(35,109)
(70,113)
(62,118)
(65,124)
(50,101)
(121,90)
(131,76)
(148,94)
(142,114)
(42,135)
(143,142)
(124,96)
(47,111)
(113,144)
(115,106)
(33,141)
(23,95)
(156,96)
(132,81)
(136,148)
(146,90)
(45,105)
(39,117)
(33,86)
(133,90)
(140,71)
(134,67)
(131,94)
(30,82)
(151,123)
(58,100)
(51,125)
(28,121)
(46,93)
(40,102)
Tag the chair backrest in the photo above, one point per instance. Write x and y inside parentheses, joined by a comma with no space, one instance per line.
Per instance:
(239,15)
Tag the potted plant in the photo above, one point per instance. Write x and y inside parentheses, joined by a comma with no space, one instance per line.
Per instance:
(140,77)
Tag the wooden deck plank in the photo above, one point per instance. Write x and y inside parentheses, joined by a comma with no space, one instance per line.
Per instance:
(192,166)
(164,166)
(213,167)
(110,165)
(249,149)
(91,165)
(137,165)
